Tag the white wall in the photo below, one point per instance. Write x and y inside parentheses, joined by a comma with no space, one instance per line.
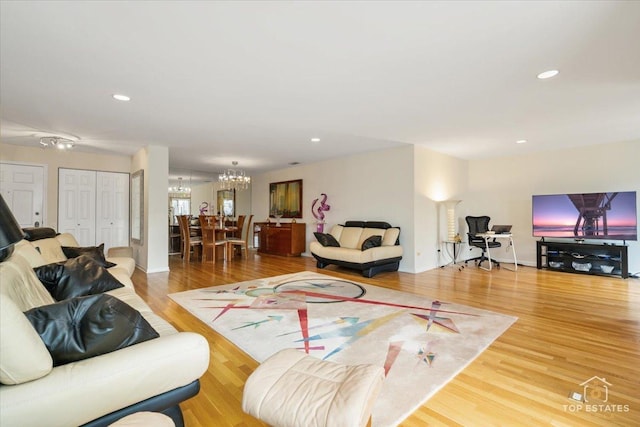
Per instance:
(371,186)
(152,255)
(502,187)
(438,177)
(208,192)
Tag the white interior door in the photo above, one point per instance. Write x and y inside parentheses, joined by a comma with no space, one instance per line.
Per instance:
(77,204)
(22,187)
(112,209)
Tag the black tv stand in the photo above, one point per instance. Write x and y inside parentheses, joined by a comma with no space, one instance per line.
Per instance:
(583,258)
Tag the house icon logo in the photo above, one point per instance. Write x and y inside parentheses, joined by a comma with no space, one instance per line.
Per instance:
(595,389)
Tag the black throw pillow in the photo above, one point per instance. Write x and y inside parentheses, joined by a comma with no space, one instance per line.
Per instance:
(32,234)
(326,239)
(84,327)
(95,252)
(372,242)
(76,277)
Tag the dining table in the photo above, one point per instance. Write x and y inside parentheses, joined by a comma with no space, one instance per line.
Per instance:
(221,233)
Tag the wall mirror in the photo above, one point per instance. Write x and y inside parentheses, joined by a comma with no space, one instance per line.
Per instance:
(137,207)
(226,203)
(285,198)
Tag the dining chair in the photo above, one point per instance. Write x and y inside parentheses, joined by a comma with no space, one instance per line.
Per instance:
(208,228)
(181,230)
(189,242)
(239,225)
(243,241)
(208,220)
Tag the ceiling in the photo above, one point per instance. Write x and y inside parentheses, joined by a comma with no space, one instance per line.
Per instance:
(253,82)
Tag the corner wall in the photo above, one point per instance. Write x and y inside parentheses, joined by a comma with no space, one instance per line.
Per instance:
(152,255)
(438,177)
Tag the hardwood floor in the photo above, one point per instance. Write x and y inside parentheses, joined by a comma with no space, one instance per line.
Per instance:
(571,328)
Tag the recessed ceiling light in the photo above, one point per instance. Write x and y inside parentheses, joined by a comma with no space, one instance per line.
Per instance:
(521,141)
(315,139)
(121,97)
(548,74)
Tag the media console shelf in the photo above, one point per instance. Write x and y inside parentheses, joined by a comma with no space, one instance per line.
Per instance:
(585,258)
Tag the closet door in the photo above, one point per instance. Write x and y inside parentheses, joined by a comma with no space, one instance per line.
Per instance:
(77,204)
(112,209)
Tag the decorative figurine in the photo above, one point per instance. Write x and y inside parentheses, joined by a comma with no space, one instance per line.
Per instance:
(318,213)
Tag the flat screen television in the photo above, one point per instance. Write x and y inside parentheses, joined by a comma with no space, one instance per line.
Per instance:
(606,216)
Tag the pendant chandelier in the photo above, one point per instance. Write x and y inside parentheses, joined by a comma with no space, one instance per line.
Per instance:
(234,179)
(180,189)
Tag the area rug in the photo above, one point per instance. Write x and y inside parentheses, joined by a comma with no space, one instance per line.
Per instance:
(421,342)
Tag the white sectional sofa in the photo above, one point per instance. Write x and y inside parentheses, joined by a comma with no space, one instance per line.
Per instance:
(349,251)
(154,375)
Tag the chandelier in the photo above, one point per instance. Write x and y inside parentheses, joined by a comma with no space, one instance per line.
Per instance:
(180,188)
(57,142)
(234,179)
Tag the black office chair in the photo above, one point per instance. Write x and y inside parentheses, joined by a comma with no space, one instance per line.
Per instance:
(480,224)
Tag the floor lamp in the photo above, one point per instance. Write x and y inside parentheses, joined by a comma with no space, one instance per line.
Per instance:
(450,206)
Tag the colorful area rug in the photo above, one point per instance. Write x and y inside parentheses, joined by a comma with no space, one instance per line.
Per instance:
(422,343)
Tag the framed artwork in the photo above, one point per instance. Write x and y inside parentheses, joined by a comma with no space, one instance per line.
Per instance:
(285,199)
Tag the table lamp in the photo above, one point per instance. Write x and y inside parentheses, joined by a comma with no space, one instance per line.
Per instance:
(10,231)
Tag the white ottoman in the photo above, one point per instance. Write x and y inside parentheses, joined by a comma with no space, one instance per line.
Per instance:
(144,419)
(292,389)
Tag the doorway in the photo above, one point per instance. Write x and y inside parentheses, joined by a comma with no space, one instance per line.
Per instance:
(22,187)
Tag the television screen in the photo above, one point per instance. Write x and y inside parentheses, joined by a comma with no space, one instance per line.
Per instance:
(604,216)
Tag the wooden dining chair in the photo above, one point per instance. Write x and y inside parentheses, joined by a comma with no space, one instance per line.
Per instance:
(239,225)
(189,242)
(209,242)
(243,241)
(181,230)
(208,220)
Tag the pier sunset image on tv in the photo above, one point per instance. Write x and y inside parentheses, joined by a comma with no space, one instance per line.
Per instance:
(606,216)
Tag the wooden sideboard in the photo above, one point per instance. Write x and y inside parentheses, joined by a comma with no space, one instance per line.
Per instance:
(288,239)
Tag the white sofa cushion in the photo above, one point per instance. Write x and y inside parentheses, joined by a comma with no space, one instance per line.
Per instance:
(23,355)
(128,265)
(21,284)
(336,231)
(368,232)
(50,249)
(355,236)
(66,239)
(30,253)
(390,236)
(356,256)
(78,392)
(350,237)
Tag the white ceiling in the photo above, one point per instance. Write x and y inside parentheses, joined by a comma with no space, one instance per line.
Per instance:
(254,81)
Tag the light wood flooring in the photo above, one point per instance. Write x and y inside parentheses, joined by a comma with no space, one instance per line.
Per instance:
(571,328)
